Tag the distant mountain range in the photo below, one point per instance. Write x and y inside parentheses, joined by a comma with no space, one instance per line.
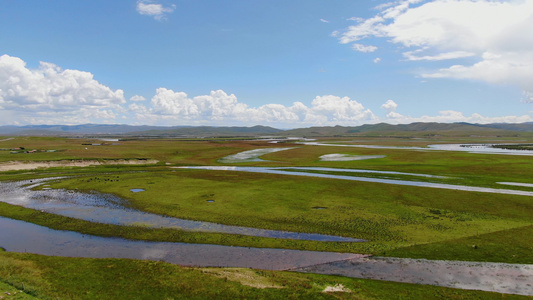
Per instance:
(209,131)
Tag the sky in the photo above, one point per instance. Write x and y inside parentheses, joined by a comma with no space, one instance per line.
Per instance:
(279,63)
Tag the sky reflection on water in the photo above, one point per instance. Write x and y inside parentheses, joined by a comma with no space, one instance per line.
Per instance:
(109,209)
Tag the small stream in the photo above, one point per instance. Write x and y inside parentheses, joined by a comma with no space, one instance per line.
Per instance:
(110,209)
(250,155)
(19,236)
(300,171)
(23,237)
(470,148)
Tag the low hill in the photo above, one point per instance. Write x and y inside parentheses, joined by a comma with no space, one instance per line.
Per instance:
(97,129)
(381,129)
(408,129)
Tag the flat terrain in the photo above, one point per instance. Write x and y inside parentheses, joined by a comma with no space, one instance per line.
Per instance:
(396,221)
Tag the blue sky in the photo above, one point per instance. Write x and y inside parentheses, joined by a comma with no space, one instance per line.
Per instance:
(279,63)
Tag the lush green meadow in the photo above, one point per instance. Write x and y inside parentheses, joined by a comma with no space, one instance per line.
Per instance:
(42,277)
(398,221)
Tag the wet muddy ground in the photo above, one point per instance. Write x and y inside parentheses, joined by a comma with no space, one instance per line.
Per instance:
(493,277)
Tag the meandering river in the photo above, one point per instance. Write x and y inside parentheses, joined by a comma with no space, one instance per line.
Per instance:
(19,236)
(109,209)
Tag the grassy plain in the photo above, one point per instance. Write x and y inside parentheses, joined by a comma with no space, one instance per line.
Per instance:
(398,221)
(43,277)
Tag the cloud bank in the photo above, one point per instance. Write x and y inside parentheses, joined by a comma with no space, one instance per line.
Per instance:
(52,95)
(51,92)
(496,34)
(219,107)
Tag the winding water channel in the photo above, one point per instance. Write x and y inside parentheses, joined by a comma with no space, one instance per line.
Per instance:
(470,148)
(19,236)
(301,171)
(109,209)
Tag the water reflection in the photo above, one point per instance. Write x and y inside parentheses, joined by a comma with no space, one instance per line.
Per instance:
(471,148)
(19,236)
(250,155)
(109,209)
(301,172)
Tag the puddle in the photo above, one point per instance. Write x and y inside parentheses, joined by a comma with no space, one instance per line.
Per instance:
(135,190)
(286,171)
(319,207)
(210,201)
(19,236)
(250,155)
(109,209)
(348,157)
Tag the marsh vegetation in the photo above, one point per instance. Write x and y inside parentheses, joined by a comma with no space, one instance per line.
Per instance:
(396,220)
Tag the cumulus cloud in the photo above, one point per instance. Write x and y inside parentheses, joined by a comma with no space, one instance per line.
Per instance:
(377,60)
(51,88)
(390,106)
(494,32)
(221,107)
(50,94)
(153,9)
(137,98)
(364,48)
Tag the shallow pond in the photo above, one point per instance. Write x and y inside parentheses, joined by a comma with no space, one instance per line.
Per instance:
(109,209)
(300,171)
(19,236)
(250,155)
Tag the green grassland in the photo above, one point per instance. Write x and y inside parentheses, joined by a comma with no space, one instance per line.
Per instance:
(42,277)
(397,221)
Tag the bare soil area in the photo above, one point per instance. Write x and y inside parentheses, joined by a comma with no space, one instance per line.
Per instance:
(20,165)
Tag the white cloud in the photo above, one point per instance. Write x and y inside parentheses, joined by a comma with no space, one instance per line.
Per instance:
(219,107)
(137,98)
(51,95)
(448,116)
(495,32)
(51,88)
(324,21)
(377,60)
(153,9)
(356,19)
(411,55)
(364,48)
(390,106)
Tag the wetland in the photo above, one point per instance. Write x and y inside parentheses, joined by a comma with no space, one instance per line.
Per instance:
(249,204)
